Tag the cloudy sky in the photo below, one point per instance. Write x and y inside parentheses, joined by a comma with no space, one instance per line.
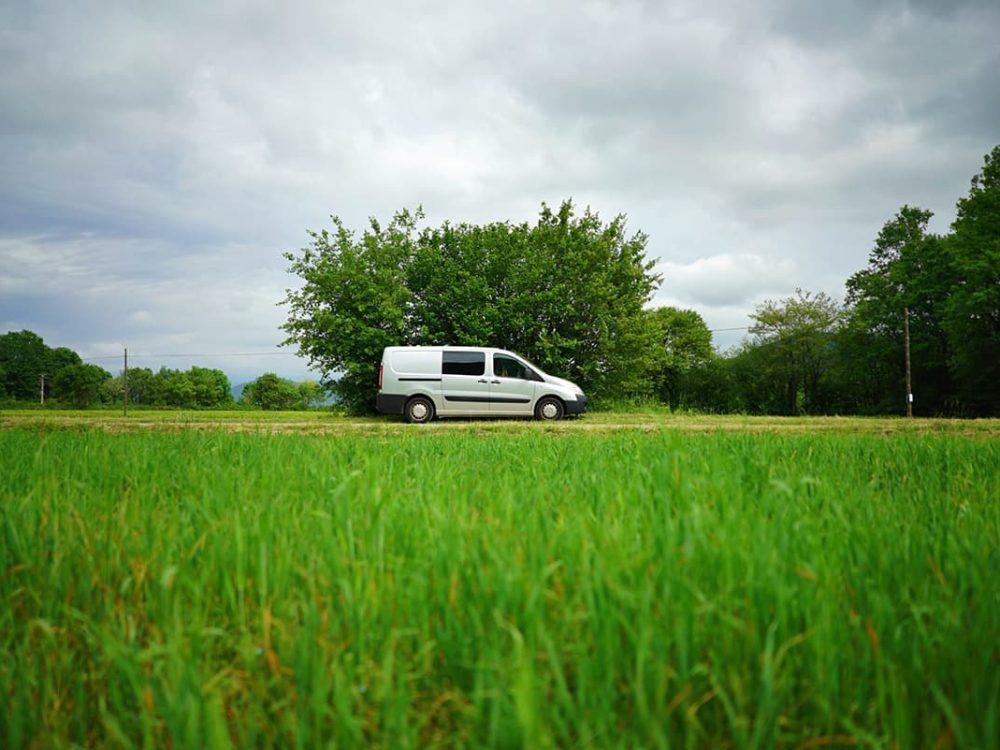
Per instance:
(156,160)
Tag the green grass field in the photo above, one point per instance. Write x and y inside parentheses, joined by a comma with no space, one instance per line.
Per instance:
(618,581)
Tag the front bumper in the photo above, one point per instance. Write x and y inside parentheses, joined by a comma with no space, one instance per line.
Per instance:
(577,407)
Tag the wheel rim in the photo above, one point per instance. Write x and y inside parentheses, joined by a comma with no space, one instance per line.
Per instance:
(550,410)
(419,411)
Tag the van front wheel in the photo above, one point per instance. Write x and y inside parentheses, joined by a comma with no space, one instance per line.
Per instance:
(419,410)
(549,409)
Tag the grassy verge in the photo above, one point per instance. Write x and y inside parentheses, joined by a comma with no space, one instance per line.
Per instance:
(326,422)
(501,584)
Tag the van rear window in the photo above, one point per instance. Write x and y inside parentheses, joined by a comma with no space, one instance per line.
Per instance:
(463,363)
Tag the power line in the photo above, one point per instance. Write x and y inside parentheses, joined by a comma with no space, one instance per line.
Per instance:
(106,357)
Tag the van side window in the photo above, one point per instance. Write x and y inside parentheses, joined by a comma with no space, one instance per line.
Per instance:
(507,367)
(463,363)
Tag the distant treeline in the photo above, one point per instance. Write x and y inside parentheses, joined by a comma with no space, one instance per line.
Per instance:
(30,371)
(809,355)
(569,293)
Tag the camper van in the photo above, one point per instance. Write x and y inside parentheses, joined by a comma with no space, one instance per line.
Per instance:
(424,382)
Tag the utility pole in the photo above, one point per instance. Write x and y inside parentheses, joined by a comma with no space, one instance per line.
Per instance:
(125,386)
(41,387)
(906,342)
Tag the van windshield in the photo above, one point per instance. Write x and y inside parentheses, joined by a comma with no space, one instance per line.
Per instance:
(532,365)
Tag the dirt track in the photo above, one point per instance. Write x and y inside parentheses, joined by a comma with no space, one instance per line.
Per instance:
(326,424)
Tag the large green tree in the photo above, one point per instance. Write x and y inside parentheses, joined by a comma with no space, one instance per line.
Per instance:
(793,349)
(24,357)
(908,270)
(353,302)
(712,386)
(311,394)
(566,292)
(271,392)
(173,388)
(141,385)
(972,309)
(950,286)
(684,346)
(210,387)
(199,387)
(80,384)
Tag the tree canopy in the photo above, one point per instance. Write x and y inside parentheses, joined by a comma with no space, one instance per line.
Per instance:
(971,316)
(80,384)
(683,346)
(196,388)
(567,292)
(908,270)
(852,360)
(950,285)
(24,359)
(270,392)
(570,292)
(796,335)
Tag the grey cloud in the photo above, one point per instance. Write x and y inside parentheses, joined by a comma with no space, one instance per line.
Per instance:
(174,151)
(837,24)
(768,110)
(726,280)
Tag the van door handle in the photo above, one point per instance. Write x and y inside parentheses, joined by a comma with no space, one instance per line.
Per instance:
(495,382)
(483,380)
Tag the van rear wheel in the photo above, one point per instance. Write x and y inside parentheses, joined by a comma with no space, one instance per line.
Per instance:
(419,410)
(549,409)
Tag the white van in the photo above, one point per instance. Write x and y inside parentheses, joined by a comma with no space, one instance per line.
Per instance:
(423,382)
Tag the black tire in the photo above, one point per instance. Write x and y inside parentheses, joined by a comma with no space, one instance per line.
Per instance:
(549,409)
(419,410)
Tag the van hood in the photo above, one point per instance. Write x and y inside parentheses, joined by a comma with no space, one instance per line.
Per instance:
(564,383)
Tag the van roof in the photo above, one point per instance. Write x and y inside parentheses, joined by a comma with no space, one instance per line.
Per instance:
(448,346)
(444,347)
